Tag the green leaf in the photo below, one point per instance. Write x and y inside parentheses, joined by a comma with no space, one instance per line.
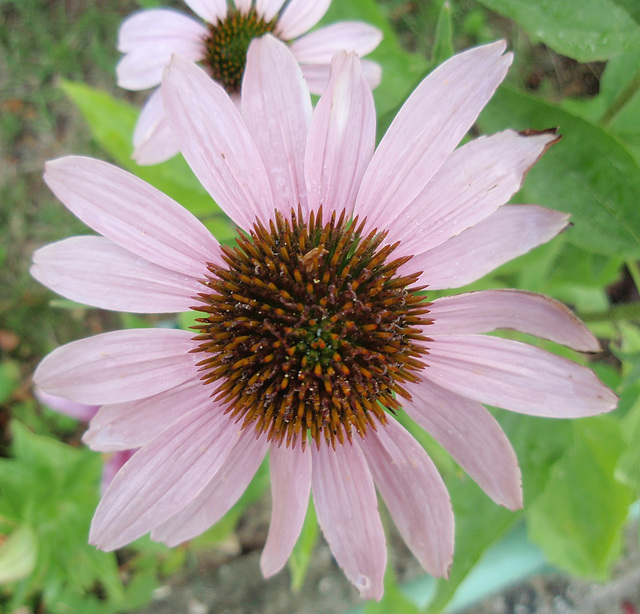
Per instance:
(303,550)
(630,6)
(628,467)
(443,43)
(585,30)
(18,555)
(578,519)
(393,600)
(112,122)
(589,174)
(400,70)
(9,378)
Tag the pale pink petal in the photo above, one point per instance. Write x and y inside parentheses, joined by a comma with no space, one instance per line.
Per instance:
(290,487)
(153,139)
(341,138)
(428,127)
(112,465)
(132,214)
(149,39)
(133,424)
(119,366)
(163,477)
(511,231)
(320,46)
(268,9)
(276,107)
(372,72)
(216,143)
(516,376)
(209,10)
(414,493)
(472,436)
(347,509)
(535,314)
(317,75)
(472,183)
(95,271)
(300,16)
(243,5)
(79,411)
(219,495)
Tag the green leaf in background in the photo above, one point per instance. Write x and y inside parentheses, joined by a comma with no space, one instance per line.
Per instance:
(9,378)
(579,517)
(401,70)
(443,42)
(393,600)
(588,174)
(303,550)
(585,30)
(18,554)
(112,122)
(630,6)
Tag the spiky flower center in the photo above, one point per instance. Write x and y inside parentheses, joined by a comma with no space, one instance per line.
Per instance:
(310,330)
(227,45)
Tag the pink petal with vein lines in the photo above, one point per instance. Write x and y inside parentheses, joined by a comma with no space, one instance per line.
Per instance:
(95,271)
(511,231)
(414,494)
(132,214)
(219,495)
(300,16)
(472,436)
(472,183)
(290,488)
(341,138)
(347,509)
(209,10)
(221,153)
(163,477)
(277,110)
(516,376)
(133,424)
(428,127)
(79,411)
(320,46)
(153,139)
(535,314)
(119,366)
(268,9)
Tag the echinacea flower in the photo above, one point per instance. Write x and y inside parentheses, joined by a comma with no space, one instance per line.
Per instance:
(220,42)
(114,461)
(313,330)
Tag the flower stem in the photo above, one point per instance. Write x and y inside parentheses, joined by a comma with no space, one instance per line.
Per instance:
(625,96)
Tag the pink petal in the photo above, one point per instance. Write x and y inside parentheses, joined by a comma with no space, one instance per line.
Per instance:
(317,75)
(112,465)
(347,509)
(511,231)
(133,424)
(132,214)
(535,314)
(153,138)
(372,72)
(268,9)
(209,10)
(300,16)
(472,436)
(341,138)
(79,411)
(277,110)
(149,39)
(414,493)
(219,495)
(243,5)
(428,127)
(320,46)
(221,153)
(97,272)
(516,376)
(472,183)
(120,366)
(290,488)
(163,477)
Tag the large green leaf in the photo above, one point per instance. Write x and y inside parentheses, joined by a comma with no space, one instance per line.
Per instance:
(579,517)
(589,174)
(585,30)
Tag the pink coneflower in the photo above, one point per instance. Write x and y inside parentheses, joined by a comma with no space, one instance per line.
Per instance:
(313,329)
(220,42)
(114,461)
